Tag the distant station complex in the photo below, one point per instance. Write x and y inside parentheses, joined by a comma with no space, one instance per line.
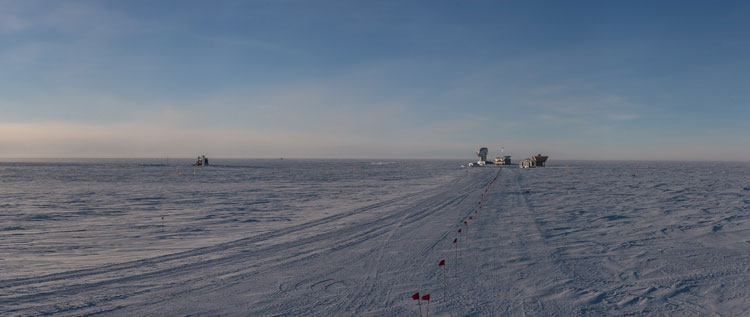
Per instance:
(535,160)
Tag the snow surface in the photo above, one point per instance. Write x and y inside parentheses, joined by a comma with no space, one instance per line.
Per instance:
(272,237)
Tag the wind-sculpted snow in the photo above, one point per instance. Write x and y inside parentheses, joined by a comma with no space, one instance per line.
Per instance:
(66,216)
(272,237)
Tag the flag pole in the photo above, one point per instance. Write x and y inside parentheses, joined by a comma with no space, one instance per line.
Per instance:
(456,272)
(445,284)
(427,298)
(420,307)
(416,298)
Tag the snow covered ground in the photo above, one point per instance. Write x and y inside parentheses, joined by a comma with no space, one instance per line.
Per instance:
(256,238)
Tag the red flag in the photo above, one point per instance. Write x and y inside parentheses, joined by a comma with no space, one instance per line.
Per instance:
(459,230)
(455,240)
(426,297)
(466,223)
(469,218)
(415,296)
(442,262)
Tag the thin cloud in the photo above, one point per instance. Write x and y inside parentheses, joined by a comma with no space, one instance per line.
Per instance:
(624,116)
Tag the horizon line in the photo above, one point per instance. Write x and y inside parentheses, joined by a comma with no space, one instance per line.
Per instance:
(339,158)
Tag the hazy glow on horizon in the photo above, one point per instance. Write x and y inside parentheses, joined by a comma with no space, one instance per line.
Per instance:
(576,80)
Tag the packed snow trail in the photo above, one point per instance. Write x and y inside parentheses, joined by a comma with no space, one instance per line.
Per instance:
(545,246)
(545,242)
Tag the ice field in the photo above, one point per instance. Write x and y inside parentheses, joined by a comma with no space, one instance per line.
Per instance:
(359,237)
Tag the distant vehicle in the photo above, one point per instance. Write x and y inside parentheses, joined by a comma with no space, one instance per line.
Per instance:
(202,161)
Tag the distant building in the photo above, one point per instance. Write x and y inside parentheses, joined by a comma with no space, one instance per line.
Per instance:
(502,160)
(536,161)
(539,160)
(526,163)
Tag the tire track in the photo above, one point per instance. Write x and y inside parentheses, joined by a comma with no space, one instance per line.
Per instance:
(195,252)
(219,261)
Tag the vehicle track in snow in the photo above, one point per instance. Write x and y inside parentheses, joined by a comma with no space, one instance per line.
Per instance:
(16,291)
(115,288)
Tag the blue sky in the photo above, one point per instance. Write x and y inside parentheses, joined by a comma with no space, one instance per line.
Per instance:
(382,79)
